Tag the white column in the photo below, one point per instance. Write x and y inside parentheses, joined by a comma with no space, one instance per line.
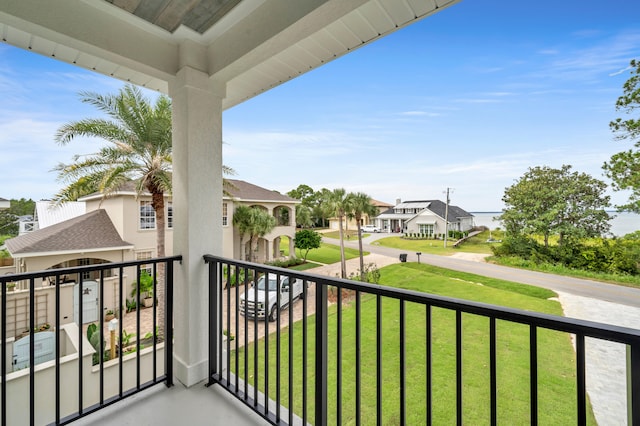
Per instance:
(197,203)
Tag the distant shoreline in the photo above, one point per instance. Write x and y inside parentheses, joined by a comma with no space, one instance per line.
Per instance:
(622,223)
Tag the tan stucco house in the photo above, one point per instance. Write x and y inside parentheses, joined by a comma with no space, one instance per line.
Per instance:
(122,227)
(350,223)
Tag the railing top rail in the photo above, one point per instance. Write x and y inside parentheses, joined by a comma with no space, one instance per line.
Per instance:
(570,325)
(78,269)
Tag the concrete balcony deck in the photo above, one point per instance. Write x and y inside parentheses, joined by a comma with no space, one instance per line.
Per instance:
(159,405)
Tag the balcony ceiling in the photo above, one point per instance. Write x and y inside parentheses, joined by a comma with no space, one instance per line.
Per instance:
(248,45)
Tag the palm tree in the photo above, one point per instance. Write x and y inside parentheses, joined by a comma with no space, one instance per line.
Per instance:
(139,150)
(242,222)
(255,222)
(338,203)
(360,204)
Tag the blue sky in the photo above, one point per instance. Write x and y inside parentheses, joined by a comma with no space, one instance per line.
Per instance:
(468,98)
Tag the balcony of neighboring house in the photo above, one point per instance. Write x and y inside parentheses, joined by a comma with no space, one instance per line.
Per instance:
(337,351)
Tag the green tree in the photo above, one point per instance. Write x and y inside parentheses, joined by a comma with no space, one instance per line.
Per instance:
(548,201)
(338,203)
(303,216)
(624,167)
(306,240)
(9,217)
(139,149)
(360,205)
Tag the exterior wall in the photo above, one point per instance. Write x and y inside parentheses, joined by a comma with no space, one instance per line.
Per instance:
(18,382)
(426,216)
(124,212)
(18,303)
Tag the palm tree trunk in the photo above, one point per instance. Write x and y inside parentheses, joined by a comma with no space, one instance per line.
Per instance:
(343,263)
(158,206)
(358,218)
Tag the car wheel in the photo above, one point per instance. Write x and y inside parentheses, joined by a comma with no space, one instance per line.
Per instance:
(273,314)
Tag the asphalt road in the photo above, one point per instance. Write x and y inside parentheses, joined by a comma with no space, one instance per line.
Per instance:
(577,286)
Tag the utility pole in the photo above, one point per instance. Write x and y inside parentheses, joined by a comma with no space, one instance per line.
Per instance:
(446,220)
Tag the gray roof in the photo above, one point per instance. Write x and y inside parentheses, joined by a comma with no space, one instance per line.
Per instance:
(91,231)
(246,191)
(436,206)
(3,199)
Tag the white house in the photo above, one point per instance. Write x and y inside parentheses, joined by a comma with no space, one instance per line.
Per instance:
(425,217)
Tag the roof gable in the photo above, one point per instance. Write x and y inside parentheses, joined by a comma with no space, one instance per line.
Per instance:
(91,231)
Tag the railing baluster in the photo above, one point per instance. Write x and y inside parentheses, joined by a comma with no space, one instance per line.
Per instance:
(213,344)
(32,349)
(378,360)
(228,284)
(102,348)
(246,333)
(358,359)
(321,355)
(57,337)
(168,325)
(533,368)
(291,334)
(3,354)
(266,367)
(237,339)
(581,385)
(339,357)
(278,357)
(633,385)
(493,371)
(429,364)
(80,340)
(155,314)
(459,385)
(120,326)
(403,365)
(305,295)
(255,340)
(138,272)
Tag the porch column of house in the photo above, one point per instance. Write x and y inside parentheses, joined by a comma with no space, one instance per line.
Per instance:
(197,202)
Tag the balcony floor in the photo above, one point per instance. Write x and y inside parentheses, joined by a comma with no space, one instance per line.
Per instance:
(159,405)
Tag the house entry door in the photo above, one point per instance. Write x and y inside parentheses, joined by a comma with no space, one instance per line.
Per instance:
(89,302)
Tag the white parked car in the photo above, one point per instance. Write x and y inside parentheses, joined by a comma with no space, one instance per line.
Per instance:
(370,228)
(262,298)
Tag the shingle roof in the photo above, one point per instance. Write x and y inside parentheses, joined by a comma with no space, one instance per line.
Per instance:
(436,206)
(246,191)
(91,231)
(455,212)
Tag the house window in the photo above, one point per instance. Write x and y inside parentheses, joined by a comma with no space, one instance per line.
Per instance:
(147,215)
(426,228)
(85,262)
(169,215)
(224,214)
(145,255)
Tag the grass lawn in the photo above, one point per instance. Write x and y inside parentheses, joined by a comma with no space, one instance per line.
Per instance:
(556,374)
(475,244)
(327,253)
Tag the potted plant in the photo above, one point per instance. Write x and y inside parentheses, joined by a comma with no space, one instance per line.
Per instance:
(11,286)
(145,283)
(109,315)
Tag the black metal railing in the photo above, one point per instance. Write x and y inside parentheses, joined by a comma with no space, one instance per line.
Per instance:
(73,385)
(283,369)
